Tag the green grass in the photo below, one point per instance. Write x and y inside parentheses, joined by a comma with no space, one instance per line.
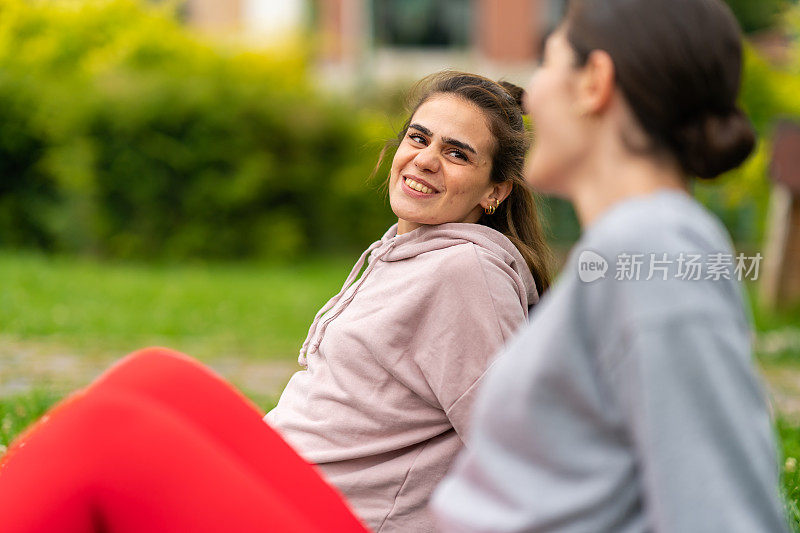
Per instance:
(250,310)
(18,412)
(789,434)
(207,310)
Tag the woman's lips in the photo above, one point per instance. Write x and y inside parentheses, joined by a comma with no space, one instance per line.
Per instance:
(417,187)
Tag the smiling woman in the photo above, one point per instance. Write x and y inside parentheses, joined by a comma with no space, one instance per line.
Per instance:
(481,136)
(437,177)
(395,359)
(393,364)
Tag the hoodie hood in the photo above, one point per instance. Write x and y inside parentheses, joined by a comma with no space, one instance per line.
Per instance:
(393,247)
(429,238)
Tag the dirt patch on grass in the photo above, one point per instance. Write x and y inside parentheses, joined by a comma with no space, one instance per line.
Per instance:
(783,388)
(27,365)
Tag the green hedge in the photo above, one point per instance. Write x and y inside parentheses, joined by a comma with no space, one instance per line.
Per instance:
(769,93)
(122,134)
(757,15)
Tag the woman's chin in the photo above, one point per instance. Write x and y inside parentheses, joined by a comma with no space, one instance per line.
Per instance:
(414,220)
(410,221)
(405,210)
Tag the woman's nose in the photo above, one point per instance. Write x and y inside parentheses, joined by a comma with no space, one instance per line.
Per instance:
(427,159)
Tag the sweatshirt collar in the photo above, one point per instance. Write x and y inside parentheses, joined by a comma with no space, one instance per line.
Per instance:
(436,237)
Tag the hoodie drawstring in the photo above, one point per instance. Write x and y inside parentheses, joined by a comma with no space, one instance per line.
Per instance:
(333,301)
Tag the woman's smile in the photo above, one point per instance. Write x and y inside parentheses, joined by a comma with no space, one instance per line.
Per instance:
(417,187)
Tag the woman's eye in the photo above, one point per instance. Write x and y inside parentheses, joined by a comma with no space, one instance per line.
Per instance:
(459,154)
(416,138)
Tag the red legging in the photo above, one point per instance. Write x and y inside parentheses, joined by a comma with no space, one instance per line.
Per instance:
(160,443)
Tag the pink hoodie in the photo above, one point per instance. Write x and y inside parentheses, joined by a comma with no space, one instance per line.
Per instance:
(394,362)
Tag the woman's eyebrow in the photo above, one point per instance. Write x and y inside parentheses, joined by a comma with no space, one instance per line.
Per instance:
(423,129)
(446,140)
(459,144)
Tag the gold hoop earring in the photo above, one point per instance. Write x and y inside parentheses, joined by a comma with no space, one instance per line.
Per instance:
(491,209)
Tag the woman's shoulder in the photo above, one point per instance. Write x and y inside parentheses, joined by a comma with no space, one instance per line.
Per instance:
(460,245)
(668,222)
(661,258)
(468,259)
(450,256)
(459,261)
(478,279)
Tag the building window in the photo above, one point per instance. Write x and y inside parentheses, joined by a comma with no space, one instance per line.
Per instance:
(422,23)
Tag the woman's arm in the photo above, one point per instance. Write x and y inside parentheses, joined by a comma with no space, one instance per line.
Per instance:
(699,426)
(474,310)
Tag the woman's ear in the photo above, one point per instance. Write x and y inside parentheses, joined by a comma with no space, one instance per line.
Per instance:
(596,84)
(500,192)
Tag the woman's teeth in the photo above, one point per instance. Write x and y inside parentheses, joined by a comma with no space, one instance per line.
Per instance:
(418,186)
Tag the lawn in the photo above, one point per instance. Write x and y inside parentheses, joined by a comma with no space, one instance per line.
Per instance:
(61,309)
(248,310)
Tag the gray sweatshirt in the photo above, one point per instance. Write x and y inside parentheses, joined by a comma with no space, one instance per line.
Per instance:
(626,405)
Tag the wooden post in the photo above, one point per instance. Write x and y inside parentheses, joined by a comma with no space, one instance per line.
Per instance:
(780,284)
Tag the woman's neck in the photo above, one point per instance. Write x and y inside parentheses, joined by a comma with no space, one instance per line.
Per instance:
(607,181)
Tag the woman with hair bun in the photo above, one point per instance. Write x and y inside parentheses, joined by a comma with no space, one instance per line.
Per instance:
(630,403)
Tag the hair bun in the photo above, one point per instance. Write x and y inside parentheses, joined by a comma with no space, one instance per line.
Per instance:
(715,143)
(516,92)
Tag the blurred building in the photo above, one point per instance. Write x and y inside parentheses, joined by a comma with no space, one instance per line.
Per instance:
(265,21)
(385,41)
(388,40)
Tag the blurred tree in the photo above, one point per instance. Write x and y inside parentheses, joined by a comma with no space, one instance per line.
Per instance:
(769,93)
(757,15)
(122,133)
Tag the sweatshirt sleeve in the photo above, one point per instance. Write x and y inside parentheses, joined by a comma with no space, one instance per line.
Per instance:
(723,456)
(474,309)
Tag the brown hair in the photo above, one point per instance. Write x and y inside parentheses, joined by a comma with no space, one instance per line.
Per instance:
(516,217)
(678,64)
